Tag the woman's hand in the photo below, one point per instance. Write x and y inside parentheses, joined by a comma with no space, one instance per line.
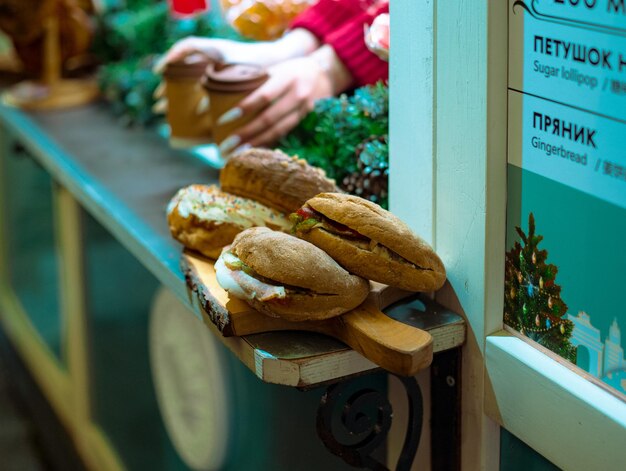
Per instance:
(296,43)
(288,95)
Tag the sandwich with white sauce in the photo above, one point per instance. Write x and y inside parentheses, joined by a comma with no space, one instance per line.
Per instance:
(205,219)
(283,276)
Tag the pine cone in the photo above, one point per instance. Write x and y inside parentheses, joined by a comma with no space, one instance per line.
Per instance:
(371,185)
(371,180)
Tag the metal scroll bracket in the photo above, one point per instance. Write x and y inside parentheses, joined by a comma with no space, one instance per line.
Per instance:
(365,419)
(353,423)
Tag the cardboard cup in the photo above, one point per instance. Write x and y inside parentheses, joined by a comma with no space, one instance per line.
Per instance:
(227,85)
(184,93)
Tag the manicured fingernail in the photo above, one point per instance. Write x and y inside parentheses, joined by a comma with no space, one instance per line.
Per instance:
(230,115)
(203,105)
(159,66)
(160,106)
(229,143)
(241,148)
(159,91)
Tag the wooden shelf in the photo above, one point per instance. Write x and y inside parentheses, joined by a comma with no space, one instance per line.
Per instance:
(125,177)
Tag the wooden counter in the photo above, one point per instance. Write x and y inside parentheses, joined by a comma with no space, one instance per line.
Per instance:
(125,177)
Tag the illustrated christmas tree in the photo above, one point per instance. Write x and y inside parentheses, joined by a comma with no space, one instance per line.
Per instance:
(532,300)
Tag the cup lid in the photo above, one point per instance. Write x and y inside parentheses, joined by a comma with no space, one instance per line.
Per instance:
(192,66)
(233,77)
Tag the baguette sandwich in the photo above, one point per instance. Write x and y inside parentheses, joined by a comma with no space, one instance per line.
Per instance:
(274,179)
(283,276)
(206,219)
(369,241)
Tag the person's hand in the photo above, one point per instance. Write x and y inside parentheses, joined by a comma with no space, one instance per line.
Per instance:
(222,50)
(298,42)
(288,95)
(219,50)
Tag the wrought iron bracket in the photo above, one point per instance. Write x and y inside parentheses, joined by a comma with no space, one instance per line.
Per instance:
(354,422)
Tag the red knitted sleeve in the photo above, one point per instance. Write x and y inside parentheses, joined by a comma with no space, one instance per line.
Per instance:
(348,41)
(326,16)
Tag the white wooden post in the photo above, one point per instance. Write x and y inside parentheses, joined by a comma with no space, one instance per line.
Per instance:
(411,102)
(448,171)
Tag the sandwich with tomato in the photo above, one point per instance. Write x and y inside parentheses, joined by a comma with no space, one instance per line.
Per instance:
(369,241)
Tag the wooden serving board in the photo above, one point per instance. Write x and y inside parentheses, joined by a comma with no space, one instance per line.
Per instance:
(396,347)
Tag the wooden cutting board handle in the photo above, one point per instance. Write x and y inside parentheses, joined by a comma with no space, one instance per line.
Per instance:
(396,347)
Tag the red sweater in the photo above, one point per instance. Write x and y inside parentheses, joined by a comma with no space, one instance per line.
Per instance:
(340,24)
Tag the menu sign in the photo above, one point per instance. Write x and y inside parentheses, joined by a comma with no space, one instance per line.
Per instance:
(566,221)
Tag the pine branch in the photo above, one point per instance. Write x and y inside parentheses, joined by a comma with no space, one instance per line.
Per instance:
(333,134)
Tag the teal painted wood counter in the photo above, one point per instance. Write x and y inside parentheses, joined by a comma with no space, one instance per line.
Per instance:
(124,178)
(84,255)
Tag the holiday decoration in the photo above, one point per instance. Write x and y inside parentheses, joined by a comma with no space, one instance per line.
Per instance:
(262,20)
(371,179)
(128,87)
(348,137)
(537,309)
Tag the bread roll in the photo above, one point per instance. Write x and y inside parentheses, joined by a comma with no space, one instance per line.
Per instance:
(206,219)
(283,276)
(274,179)
(369,241)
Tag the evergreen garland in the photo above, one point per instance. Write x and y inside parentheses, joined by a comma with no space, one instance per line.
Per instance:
(128,86)
(346,135)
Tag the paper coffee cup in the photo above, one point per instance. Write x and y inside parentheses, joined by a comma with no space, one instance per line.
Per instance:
(227,85)
(190,125)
